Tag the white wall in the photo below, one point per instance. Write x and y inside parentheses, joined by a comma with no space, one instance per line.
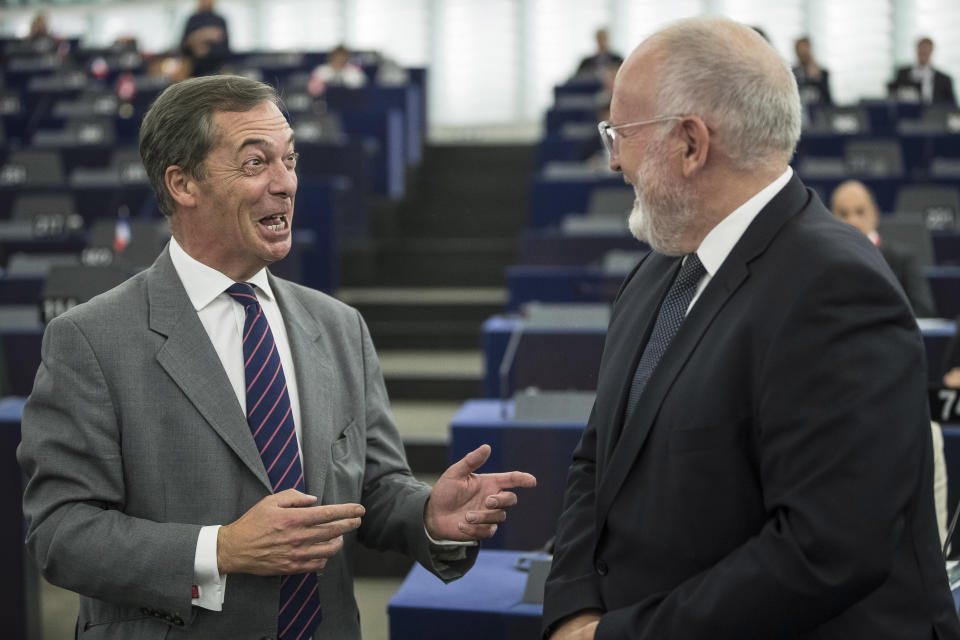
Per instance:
(496,61)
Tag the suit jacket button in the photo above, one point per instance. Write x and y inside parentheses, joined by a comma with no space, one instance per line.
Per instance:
(177,620)
(602,567)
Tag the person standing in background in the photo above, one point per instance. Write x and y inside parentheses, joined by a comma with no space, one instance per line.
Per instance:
(206,41)
(812,79)
(921,82)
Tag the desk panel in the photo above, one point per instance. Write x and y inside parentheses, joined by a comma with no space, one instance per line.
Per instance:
(18,583)
(561,358)
(541,448)
(569,357)
(485,604)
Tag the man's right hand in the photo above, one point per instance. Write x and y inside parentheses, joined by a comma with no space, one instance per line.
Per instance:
(580,626)
(285,534)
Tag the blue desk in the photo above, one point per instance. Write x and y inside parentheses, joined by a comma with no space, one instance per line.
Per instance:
(559,358)
(552,198)
(561,283)
(485,604)
(946,246)
(552,247)
(569,358)
(20,349)
(541,448)
(18,584)
(945,287)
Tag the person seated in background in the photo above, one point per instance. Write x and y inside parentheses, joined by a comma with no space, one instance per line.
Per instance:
(337,71)
(853,203)
(601,61)
(922,82)
(812,79)
(206,41)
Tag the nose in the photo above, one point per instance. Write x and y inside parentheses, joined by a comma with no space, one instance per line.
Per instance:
(283,181)
(614,162)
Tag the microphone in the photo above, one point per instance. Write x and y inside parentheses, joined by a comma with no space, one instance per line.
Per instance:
(506,365)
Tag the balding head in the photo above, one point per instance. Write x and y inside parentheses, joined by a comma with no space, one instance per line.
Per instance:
(730,76)
(853,203)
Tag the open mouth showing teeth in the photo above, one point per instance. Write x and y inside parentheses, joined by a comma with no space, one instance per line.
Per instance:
(276,222)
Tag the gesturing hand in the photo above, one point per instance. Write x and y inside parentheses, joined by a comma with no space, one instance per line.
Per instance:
(285,534)
(582,626)
(467,506)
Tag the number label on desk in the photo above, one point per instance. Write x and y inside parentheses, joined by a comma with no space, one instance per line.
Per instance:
(46,225)
(52,307)
(944,405)
(96,256)
(13,174)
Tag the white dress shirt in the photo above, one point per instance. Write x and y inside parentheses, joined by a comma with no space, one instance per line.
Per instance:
(223,318)
(722,238)
(924,76)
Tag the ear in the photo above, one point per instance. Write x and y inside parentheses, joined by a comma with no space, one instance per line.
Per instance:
(181,185)
(695,137)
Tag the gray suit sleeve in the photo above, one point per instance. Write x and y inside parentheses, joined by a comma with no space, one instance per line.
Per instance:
(74,502)
(393,498)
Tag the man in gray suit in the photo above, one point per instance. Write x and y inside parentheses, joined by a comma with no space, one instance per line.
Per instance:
(146,492)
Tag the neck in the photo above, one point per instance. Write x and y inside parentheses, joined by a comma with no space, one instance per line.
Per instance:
(726,191)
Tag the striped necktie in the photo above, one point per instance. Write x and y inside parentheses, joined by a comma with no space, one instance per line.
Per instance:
(673,309)
(271,422)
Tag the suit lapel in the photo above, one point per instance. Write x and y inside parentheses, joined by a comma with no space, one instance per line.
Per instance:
(316,385)
(190,360)
(731,275)
(646,291)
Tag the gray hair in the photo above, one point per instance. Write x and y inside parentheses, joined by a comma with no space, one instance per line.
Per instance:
(710,67)
(178,129)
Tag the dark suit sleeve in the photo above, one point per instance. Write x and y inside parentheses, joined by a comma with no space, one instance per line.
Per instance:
(911,277)
(573,584)
(826,97)
(917,288)
(842,438)
(945,90)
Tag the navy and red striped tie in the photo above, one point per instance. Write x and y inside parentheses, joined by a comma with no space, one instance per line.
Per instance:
(271,422)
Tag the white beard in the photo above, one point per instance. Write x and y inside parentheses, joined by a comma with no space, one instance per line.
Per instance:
(663,214)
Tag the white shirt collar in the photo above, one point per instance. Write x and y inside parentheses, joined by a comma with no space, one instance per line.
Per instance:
(203,283)
(722,238)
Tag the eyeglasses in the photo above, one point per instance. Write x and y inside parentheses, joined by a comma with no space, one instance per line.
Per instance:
(608,132)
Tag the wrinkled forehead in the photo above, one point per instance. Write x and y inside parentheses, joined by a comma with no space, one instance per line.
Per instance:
(264,124)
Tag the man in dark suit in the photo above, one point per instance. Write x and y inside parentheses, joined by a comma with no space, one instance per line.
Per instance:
(603,60)
(758,460)
(921,82)
(813,79)
(204,438)
(853,203)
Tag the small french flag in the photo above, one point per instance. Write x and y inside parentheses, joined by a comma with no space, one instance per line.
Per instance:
(121,235)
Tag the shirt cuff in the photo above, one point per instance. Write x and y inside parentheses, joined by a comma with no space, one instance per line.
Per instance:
(448,543)
(209,585)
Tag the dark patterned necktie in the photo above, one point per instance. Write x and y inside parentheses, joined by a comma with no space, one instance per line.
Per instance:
(271,422)
(672,311)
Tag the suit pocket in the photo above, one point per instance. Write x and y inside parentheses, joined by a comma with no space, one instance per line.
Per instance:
(683,440)
(348,454)
(345,442)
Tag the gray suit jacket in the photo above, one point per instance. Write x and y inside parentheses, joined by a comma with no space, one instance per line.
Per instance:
(133,439)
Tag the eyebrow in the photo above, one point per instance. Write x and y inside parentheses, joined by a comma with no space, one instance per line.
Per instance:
(261,142)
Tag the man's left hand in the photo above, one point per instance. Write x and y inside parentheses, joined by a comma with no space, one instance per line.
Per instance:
(465,506)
